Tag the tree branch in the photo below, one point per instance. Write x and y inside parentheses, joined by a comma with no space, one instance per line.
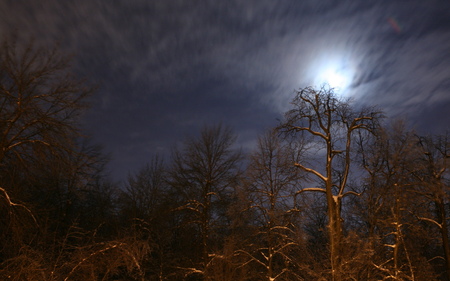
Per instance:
(312,171)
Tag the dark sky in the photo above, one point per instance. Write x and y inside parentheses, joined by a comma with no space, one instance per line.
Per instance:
(166,68)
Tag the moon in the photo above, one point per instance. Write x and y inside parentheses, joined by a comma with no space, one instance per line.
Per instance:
(336,78)
(334,72)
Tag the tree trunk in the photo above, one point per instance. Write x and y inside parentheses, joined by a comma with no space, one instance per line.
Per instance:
(397,233)
(334,217)
(442,220)
(205,233)
(335,229)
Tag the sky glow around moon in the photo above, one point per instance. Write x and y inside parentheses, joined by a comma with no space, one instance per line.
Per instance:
(337,73)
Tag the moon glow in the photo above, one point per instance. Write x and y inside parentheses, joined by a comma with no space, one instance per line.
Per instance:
(335,73)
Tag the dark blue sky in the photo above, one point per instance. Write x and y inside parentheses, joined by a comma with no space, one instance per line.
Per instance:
(166,68)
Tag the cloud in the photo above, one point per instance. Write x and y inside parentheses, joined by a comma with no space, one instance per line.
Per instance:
(407,70)
(167,66)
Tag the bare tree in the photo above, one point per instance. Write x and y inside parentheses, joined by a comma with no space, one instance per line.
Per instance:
(433,177)
(395,175)
(328,125)
(392,203)
(271,182)
(40,102)
(204,174)
(43,159)
(145,208)
(145,192)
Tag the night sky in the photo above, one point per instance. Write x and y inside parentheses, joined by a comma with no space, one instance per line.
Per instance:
(166,68)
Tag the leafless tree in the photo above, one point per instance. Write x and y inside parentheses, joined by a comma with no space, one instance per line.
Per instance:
(391,205)
(204,173)
(327,126)
(271,182)
(433,182)
(43,157)
(144,191)
(145,209)
(40,103)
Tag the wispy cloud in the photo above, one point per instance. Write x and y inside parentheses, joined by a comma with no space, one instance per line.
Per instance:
(177,63)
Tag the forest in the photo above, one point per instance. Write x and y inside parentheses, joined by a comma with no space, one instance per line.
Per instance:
(335,192)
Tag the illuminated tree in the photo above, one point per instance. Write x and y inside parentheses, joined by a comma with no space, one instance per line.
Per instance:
(433,177)
(395,206)
(327,127)
(40,102)
(271,182)
(390,189)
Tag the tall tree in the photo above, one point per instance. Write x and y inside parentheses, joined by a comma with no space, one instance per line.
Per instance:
(327,126)
(40,103)
(145,208)
(45,165)
(392,203)
(271,181)
(433,177)
(204,173)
